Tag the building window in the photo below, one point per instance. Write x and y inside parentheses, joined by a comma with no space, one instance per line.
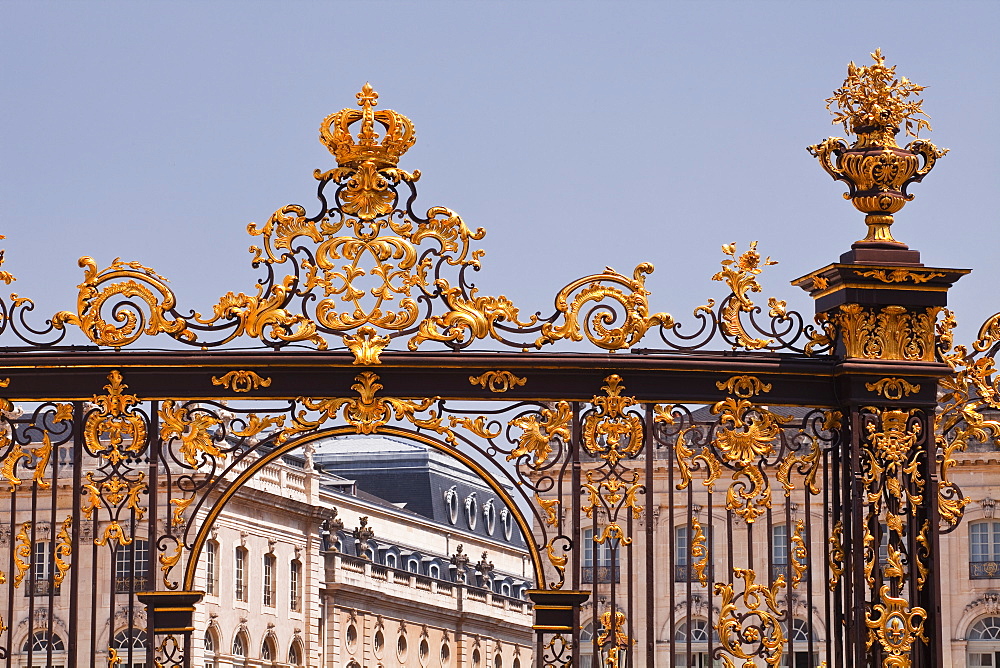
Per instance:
(401,647)
(131,564)
(984,643)
(413,566)
(294,654)
(697,633)
(507,522)
(779,550)
(268,650)
(600,562)
(390,560)
(476,658)
(424,651)
(984,550)
(40,641)
(498,661)
(209,642)
(490,516)
(352,638)
(41,581)
(445,654)
(241,575)
(134,641)
(451,501)
(269,562)
(434,571)
(471,511)
(684,570)
(212,568)
(240,644)
(379,644)
(295,589)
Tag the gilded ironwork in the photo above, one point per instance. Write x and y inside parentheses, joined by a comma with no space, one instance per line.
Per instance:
(194,429)
(242,380)
(901,275)
(115,431)
(872,103)
(893,389)
(368,412)
(744,641)
(535,441)
(835,555)
(611,432)
(699,552)
(896,627)
(498,381)
(799,555)
(22,553)
(558,562)
(167,563)
(63,550)
(889,333)
(613,637)
(739,272)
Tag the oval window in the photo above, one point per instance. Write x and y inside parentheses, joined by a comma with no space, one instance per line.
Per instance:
(379,644)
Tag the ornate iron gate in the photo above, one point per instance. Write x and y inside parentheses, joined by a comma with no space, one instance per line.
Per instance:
(778,499)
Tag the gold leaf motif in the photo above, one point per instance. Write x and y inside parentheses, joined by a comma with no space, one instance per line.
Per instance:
(9,465)
(836,555)
(116,421)
(744,387)
(551,509)
(597,288)
(900,275)
(22,554)
(739,272)
(609,432)
(537,436)
(923,554)
(613,637)
(497,381)
(366,346)
(114,532)
(559,563)
(892,333)
(180,506)
(367,412)
(114,661)
(893,389)
(477,426)
(63,549)
(897,626)
(192,428)
(699,552)
(242,381)
(168,562)
(799,555)
(766,638)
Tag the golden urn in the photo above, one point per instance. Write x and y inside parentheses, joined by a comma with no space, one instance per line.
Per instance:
(873,104)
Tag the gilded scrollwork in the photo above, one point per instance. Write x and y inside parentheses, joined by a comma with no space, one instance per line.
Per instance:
(241,380)
(22,553)
(115,431)
(611,432)
(897,626)
(742,641)
(739,272)
(699,552)
(167,563)
(498,381)
(535,441)
(836,555)
(893,389)
(889,333)
(558,562)
(63,550)
(367,412)
(193,429)
(799,554)
(900,275)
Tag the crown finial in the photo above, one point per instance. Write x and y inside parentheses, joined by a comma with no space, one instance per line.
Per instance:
(873,103)
(350,151)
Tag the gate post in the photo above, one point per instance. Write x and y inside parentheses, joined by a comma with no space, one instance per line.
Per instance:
(884,306)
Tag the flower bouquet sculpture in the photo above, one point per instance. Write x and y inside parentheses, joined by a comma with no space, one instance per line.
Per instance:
(873,104)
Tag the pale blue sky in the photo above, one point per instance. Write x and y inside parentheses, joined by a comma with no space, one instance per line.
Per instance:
(579,134)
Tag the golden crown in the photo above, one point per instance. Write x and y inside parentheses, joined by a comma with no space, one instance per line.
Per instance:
(335,133)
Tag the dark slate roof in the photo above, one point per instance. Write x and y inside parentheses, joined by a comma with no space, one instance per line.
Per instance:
(417,476)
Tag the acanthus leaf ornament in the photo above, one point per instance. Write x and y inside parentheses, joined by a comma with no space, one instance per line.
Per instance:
(115,423)
(739,273)
(740,641)
(241,380)
(193,429)
(893,389)
(498,381)
(535,441)
(610,431)
(897,626)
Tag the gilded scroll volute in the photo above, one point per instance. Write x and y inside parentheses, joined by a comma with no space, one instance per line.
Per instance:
(873,104)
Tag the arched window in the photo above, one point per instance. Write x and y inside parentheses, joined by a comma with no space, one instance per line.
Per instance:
(984,643)
(471,511)
(507,522)
(498,661)
(40,641)
(984,550)
(697,629)
(476,658)
(490,516)
(697,633)
(295,654)
(268,649)
(390,560)
(413,565)
(210,643)
(134,639)
(434,571)
(240,643)
(451,501)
